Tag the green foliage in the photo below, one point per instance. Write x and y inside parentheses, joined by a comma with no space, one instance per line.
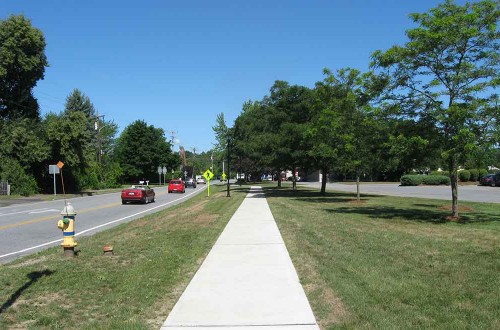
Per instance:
(435,180)
(21,183)
(438,75)
(415,180)
(437,173)
(474,175)
(22,64)
(482,172)
(464,175)
(411,180)
(140,149)
(24,141)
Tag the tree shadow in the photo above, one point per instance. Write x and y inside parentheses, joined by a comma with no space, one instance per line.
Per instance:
(33,278)
(415,214)
(419,211)
(315,196)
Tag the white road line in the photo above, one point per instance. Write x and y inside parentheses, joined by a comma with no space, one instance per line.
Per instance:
(28,211)
(49,210)
(96,227)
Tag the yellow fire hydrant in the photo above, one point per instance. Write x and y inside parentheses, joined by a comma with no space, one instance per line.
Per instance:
(67,224)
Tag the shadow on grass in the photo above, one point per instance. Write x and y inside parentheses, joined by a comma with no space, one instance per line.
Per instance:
(423,212)
(33,277)
(314,196)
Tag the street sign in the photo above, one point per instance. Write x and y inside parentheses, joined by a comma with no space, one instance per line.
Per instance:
(60,164)
(53,169)
(224,176)
(164,170)
(159,170)
(208,175)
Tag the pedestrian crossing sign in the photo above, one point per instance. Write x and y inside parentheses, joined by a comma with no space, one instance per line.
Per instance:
(208,175)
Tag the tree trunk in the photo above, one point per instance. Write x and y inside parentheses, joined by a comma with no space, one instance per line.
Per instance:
(323,181)
(357,185)
(454,192)
(279,178)
(294,181)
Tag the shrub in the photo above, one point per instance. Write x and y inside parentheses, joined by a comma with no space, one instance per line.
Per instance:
(20,182)
(438,173)
(474,175)
(436,180)
(482,172)
(411,180)
(464,176)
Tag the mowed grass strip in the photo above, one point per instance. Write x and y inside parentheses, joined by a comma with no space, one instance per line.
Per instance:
(154,259)
(392,263)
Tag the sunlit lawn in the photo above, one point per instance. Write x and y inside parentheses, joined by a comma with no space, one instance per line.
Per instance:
(155,258)
(391,262)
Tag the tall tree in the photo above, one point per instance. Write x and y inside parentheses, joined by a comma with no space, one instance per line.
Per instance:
(141,148)
(448,71)
(22,64)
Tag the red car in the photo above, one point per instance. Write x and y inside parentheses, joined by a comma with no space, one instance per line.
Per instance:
(177,186)
(142,194)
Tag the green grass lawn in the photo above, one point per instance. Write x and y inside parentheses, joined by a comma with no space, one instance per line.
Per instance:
(155,258)
(392,263)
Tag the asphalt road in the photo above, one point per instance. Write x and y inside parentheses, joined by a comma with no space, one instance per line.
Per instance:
(472,193)
(28,228)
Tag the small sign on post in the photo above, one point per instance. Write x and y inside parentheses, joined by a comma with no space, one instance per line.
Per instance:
(208,175)
(54,169)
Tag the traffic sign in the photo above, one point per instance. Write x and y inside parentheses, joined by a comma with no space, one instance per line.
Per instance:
(60,164)
(224,176)
(208,175)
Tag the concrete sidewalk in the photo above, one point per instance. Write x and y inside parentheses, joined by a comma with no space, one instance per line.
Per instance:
(247,279)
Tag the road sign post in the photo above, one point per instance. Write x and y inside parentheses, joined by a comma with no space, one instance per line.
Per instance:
(159,174)
(164,171)
(208,175)
(54,169)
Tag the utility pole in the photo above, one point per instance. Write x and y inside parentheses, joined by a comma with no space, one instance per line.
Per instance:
(98,127)
(228,167)
(172,138)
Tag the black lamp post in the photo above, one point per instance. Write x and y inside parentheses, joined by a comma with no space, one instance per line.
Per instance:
(228,167)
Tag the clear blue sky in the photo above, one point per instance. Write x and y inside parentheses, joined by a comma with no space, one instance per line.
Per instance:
(177,64)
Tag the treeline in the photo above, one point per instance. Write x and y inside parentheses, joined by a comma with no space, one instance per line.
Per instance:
(78,136)
(427,104)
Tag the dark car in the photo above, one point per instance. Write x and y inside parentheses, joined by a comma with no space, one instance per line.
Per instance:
(190,182)
(487,180)
(139,193)
(496,178)
(176,186)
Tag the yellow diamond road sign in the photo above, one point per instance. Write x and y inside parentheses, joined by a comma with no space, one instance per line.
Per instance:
(208,175)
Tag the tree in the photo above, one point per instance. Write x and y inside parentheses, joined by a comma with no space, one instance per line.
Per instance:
(448,71)
(22,64)
(141,148)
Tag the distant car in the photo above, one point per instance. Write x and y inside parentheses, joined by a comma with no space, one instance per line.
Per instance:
(200,181)
(487,180)
(190,182)
(138,194)
(176,186)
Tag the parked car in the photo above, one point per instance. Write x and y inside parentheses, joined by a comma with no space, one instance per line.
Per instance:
(487,180)
(200,181)
(190,182)
(140,193)
(176,186)
(496,180)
